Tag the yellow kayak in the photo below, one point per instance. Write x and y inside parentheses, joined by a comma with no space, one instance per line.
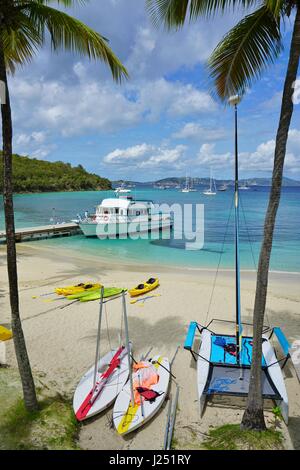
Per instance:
(148,286)
(70,290)
(5,334)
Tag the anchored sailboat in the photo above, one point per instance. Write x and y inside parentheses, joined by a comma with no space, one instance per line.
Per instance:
(224,360)
(187,188)
(212,191)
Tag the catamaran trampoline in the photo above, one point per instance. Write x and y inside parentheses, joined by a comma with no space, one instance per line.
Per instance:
(221,372)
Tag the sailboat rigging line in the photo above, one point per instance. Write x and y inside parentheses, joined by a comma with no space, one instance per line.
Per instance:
(118,296)
(219,262)
(98,338)
(248,234)
(128,347)
(160,364)
(131,355)
(144,357)
(251,247)
(107,329)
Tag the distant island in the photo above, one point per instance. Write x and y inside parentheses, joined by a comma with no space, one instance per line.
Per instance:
(32,176)
(172,182)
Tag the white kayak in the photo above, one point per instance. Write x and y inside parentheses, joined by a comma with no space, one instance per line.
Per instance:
(126,417)
(111,377)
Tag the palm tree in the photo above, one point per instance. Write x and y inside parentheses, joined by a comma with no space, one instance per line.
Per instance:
(240,58)
(23,25)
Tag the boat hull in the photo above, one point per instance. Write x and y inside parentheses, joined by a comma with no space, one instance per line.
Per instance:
(107,230)
(219,374)
(112,388)
(127,418)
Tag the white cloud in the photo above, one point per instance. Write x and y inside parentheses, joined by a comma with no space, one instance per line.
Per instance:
(260,160)
(173,99)
(119,156)
(33,144)
(208,157)
(195,131)
(86,105)
(156,53)
(147,156)
(34,137)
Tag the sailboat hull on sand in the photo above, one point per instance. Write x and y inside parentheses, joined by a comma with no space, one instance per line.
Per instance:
(109,391)
(219,374)
(126,417)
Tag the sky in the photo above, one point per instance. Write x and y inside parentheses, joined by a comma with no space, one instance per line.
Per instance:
(163,121)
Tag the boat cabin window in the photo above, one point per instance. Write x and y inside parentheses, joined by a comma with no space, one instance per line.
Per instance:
(137,212)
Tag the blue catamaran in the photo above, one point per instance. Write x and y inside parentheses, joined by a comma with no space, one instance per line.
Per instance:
(224,360)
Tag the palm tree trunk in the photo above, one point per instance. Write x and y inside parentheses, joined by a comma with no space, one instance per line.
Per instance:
(19,340)
(254,417)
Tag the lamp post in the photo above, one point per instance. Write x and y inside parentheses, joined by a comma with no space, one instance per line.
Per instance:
(234,101)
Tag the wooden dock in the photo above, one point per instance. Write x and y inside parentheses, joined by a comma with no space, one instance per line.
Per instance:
(45,231)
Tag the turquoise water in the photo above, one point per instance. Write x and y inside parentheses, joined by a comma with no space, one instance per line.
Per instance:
(38,209)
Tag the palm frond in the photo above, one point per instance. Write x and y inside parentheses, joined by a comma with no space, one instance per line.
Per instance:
(20,44)
(244,52)
(275,6)
(71,34)
(174,13)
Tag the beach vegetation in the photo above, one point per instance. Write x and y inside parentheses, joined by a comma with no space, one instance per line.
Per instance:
(24,28)
(31,175)
(230,437)
(277,417)
(240,58)
(52,427)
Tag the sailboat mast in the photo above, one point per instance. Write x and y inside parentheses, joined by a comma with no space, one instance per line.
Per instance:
(128,348)
(237,248)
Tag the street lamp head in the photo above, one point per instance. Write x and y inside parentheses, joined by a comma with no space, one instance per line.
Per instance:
(234,100)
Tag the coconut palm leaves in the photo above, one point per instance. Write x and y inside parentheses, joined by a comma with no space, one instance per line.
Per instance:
(174,13)
(25,25)
(245,51)
(24,32)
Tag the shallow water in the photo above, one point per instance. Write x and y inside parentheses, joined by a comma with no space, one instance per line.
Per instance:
(39,209)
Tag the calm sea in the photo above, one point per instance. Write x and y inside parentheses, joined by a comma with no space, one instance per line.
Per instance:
(38,209)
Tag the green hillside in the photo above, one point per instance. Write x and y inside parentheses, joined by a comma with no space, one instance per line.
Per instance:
(32,175)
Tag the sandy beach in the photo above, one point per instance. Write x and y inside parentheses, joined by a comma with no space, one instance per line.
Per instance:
(61,342)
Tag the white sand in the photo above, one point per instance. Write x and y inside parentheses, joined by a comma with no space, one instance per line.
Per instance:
(61,343)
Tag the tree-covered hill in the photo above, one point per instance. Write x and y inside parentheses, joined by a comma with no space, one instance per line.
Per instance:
(32,175)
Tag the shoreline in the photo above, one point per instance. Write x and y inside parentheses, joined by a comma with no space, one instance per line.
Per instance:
(61,342)
(68,253)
